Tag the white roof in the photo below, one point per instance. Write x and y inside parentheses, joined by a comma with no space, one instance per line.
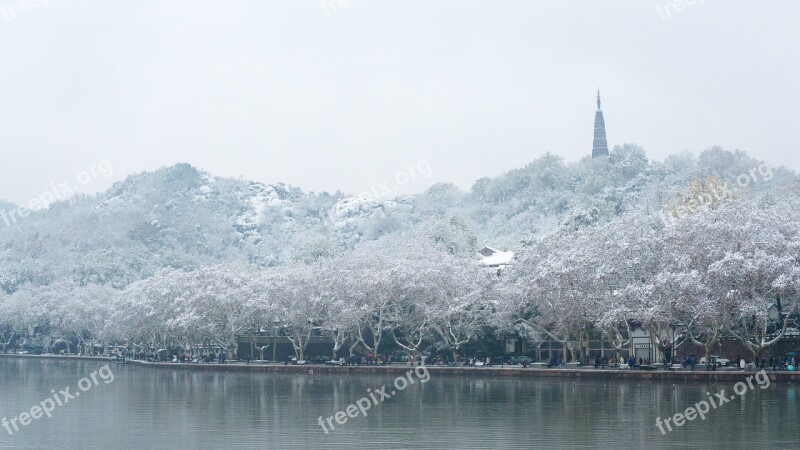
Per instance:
(497,259)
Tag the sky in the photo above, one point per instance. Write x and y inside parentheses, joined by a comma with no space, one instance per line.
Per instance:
(350,95)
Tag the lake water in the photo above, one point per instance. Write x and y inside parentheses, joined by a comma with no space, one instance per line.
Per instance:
(157,408)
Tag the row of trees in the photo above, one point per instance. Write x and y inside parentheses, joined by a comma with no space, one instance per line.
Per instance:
(412,291)
(730,271)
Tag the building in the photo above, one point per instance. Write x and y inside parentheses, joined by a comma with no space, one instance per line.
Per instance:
(491,257)
(600,145)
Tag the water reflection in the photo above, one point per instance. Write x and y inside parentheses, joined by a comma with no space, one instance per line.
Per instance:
(154,408)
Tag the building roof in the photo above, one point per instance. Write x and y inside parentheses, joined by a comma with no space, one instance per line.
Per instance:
(488,251)
(497,259)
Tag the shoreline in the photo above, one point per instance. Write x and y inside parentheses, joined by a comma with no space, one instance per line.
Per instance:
(530,372)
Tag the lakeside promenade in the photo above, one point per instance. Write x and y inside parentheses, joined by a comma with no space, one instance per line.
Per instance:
(587,372)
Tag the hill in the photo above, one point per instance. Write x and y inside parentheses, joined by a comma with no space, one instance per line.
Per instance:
(183,218)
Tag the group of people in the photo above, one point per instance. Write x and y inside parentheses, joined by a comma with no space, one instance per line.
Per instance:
(183,357)
(554,362)
(605,361)
(642,362)
(776,363)
(790,363)
(369,360)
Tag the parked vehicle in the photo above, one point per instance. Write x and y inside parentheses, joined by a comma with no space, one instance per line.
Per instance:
(720,361)
(525,361)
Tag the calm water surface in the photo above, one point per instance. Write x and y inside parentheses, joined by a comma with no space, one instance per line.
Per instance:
(157,408)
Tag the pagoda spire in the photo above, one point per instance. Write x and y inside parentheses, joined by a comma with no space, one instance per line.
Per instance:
(599,145)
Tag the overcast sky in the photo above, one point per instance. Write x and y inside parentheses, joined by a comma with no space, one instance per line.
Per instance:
(336,95)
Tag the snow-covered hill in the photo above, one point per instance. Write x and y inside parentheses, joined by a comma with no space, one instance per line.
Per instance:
(182,217)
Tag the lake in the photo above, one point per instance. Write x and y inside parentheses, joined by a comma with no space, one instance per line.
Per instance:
(129,406)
